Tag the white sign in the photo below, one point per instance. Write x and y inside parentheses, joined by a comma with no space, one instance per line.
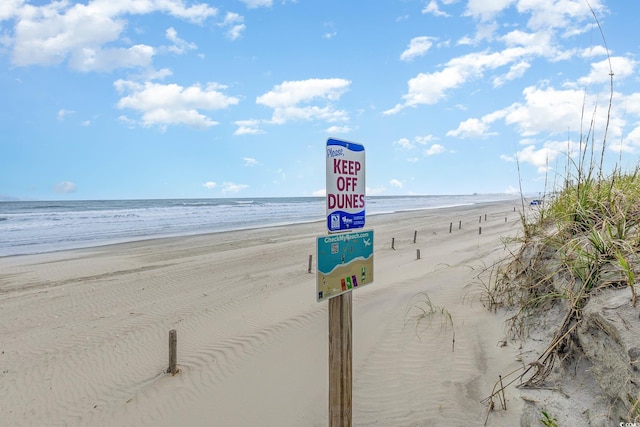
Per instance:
(345,185)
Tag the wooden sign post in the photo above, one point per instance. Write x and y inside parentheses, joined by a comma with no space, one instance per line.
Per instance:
(340,356)
(345,212)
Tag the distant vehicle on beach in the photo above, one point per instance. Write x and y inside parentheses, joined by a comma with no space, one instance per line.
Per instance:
(536,202)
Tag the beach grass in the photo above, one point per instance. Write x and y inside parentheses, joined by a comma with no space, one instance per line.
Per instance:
(584,238)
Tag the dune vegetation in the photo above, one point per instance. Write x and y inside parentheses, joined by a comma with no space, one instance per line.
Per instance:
(580,244)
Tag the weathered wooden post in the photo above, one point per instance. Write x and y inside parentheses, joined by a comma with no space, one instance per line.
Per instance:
(415,236)
(480,220)
(310,258)
(479,230)
(340,365)
(393,243)
(173,353)
(450,226)
(417,253)
(459,225)
(485,217)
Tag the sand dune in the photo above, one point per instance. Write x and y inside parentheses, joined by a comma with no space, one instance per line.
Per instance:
(84,333)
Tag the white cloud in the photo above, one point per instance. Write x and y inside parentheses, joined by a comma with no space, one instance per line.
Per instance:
(285,99)
(88,59)
(209,185)
(516,71)
(562,112)
(433,8)
(151,74)
(171,104)
(252,4)
(338,129)
(547,19)
(79,32)
(293,92)
(250,162)
(486,10)
(471,128)
(630,144)
(230,187)
(407,144)
(319,193)
(593,51)
(248,127)
(543,158)
(549,110)
(600,72)
(10,8)
(62,114)
(331,32)
(430,88)
(65,187)
(404,143)
(425,139)
(234,24)
(477,128)
(396,183)
(179,46)
(568,15)
(434,149)
(418,46)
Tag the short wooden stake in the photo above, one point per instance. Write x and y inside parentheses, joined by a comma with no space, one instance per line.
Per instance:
(505,219)
(393,243)
(450,226)
(459,225)
(415,236)
(173,355)
(417,253)
(310,258)
(479,230)
(480,220)
(485,217)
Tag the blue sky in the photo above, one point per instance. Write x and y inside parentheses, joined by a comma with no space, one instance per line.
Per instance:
(117,99)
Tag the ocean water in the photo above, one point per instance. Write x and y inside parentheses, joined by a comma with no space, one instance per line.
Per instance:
(28,227)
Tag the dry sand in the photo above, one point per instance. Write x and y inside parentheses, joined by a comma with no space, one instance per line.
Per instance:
(84,333)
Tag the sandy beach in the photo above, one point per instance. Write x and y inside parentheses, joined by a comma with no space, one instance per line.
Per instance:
(84,333)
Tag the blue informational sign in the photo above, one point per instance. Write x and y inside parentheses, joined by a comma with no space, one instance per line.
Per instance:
(346,185)
(345,263)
